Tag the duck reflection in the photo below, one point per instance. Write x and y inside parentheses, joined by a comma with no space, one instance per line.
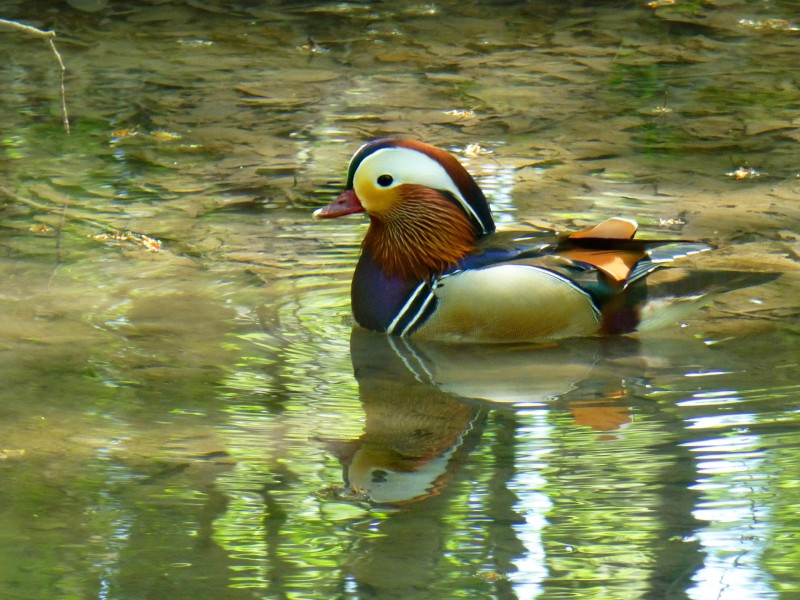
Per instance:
(415,434)
(533,488)
(426,405)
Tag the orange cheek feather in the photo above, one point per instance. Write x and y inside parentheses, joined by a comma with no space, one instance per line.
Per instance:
(417,232)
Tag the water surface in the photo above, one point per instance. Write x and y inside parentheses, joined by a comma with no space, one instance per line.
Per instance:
(186,410)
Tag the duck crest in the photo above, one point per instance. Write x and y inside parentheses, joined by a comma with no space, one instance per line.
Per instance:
(421,236)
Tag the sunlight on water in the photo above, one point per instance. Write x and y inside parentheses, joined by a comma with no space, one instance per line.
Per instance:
(735,487)
(497,182)
(532,504)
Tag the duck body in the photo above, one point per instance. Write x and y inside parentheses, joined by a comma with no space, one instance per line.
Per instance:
(433,267)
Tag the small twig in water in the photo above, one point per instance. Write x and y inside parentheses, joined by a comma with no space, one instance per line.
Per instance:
(48,35)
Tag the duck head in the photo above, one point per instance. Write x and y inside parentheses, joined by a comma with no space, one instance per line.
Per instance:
(426,211)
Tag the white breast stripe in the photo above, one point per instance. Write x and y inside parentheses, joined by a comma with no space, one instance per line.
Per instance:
(406,306)
(419,314)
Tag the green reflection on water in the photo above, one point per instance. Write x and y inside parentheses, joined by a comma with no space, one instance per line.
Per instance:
(193,423)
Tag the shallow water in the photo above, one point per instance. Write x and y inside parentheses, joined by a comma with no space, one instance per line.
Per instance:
(186,410)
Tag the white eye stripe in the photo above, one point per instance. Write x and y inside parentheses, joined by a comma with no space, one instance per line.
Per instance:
(405,165)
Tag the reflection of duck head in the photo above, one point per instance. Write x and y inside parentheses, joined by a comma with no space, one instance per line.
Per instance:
(387,477)
(414,432)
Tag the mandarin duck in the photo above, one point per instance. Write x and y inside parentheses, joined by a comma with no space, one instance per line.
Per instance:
(432,265)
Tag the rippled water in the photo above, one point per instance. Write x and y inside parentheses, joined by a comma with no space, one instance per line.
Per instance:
(186,410)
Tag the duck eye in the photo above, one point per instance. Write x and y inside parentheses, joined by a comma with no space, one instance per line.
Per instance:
(385,180)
